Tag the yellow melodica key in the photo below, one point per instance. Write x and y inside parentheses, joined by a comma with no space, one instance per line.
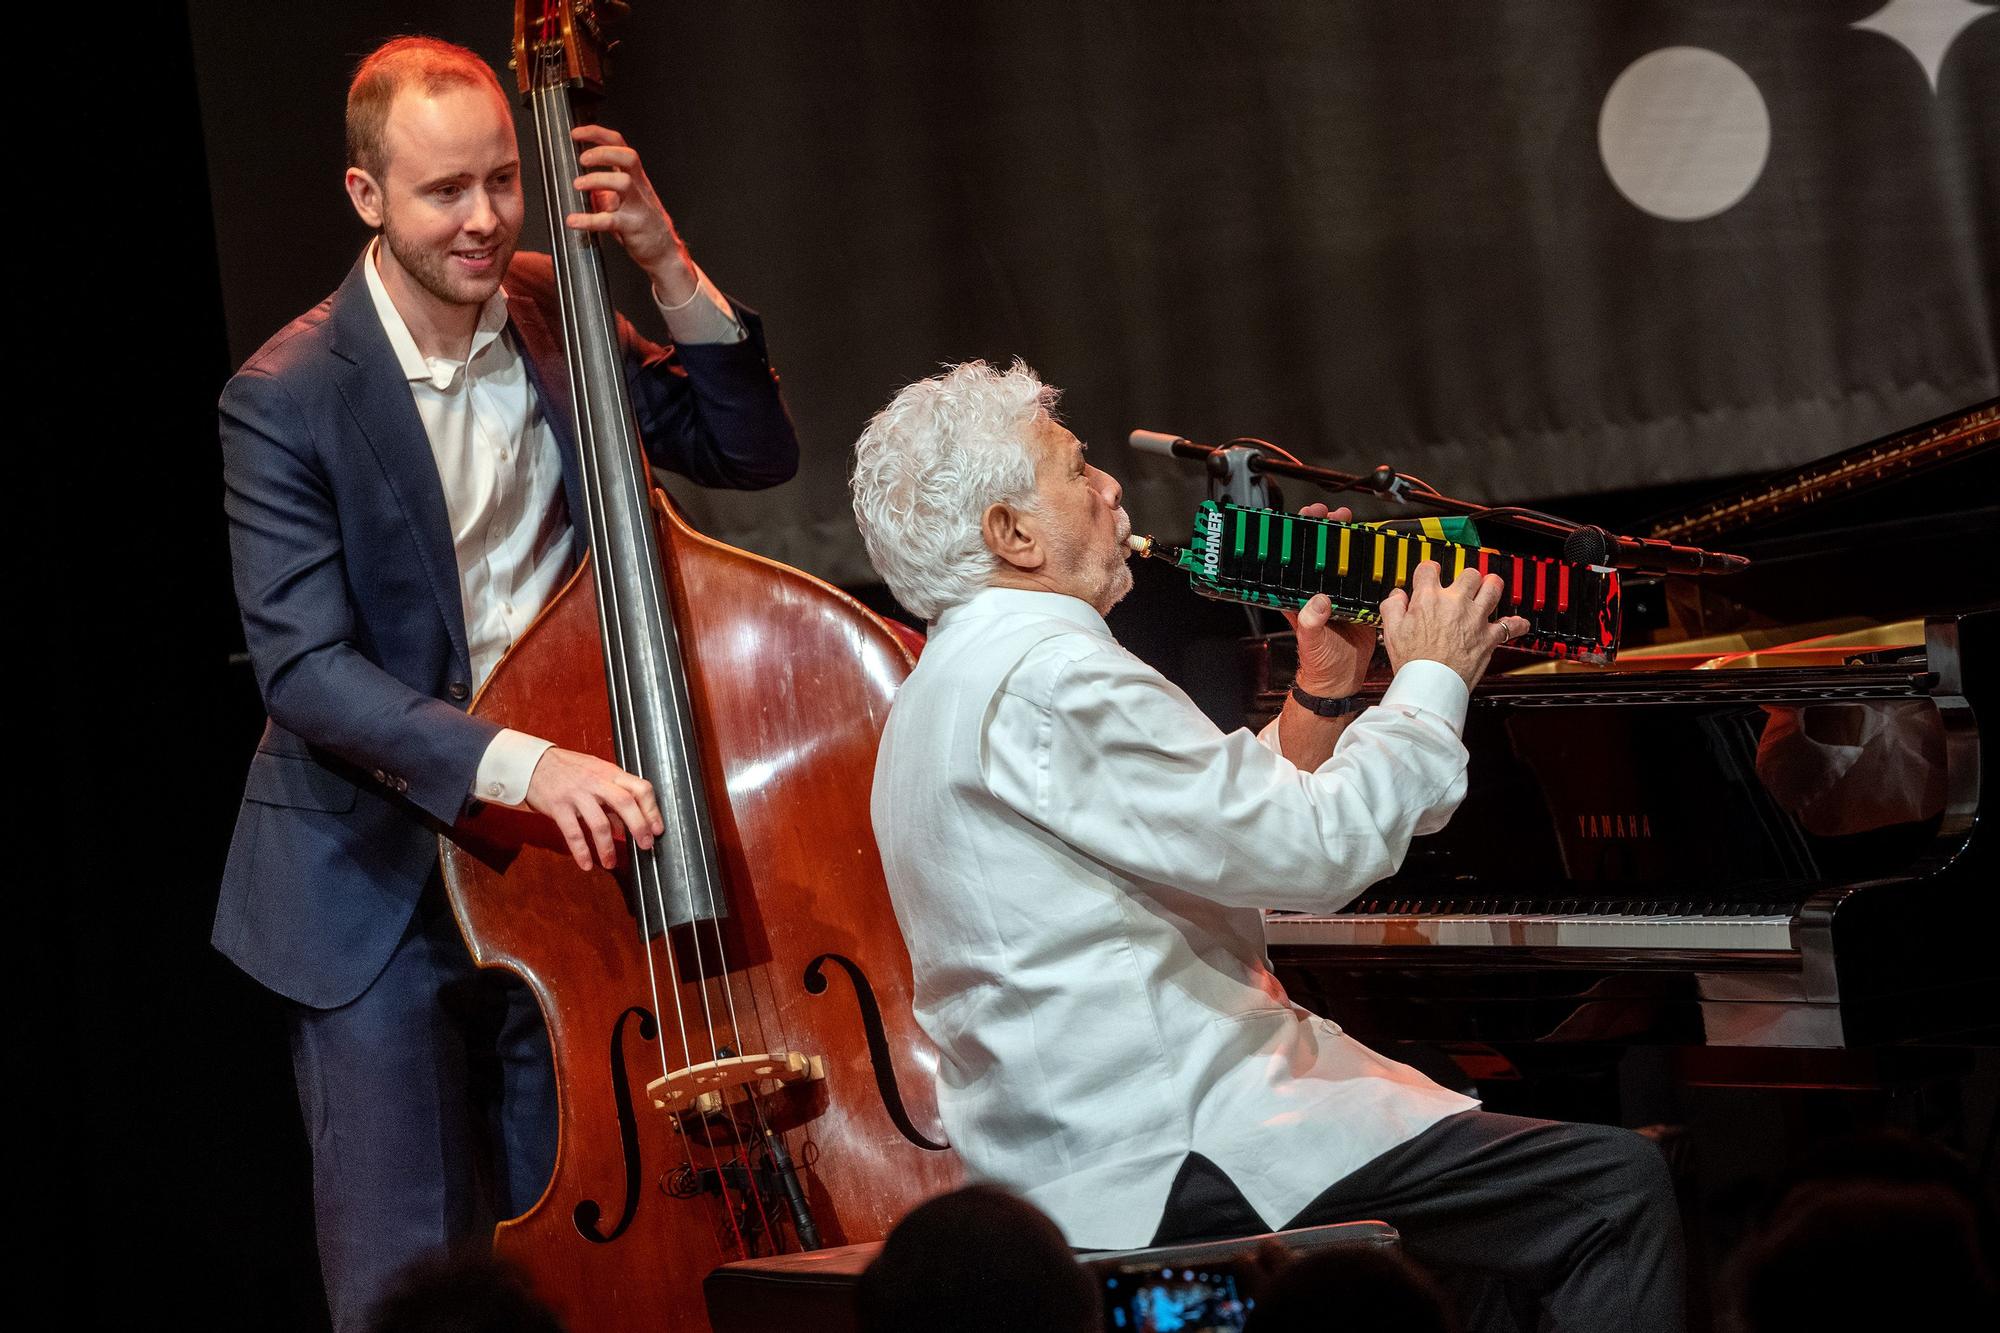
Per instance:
(1423,549)
(1402,561)
(1457,562)
(1345,541)
(1381,550)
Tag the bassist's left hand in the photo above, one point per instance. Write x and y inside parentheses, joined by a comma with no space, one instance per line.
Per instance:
(625,205)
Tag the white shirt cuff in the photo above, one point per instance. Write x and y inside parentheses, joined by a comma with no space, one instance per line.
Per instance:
(704,317)
(506,767)
(1433,687)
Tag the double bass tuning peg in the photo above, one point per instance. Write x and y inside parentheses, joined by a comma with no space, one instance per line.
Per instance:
(598,16)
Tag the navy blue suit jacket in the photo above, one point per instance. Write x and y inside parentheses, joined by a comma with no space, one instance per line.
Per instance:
(348,586)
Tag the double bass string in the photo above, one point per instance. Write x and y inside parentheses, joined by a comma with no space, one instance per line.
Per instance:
(552,122)
(544,102)
(551,110)
(697,872)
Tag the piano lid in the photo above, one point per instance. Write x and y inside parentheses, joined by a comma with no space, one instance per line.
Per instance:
(1777,502)
(1895,529)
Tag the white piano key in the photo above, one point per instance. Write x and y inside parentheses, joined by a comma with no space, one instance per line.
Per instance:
(1752,933)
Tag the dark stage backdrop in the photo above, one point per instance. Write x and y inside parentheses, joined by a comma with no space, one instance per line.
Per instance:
(1532,249)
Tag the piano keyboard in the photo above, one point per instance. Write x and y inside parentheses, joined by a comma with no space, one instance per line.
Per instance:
(1268,558)
(1731,933)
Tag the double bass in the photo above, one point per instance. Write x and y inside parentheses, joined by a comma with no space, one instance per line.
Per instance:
(738,1070)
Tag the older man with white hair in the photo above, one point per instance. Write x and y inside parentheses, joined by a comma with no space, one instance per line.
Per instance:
(1078,859)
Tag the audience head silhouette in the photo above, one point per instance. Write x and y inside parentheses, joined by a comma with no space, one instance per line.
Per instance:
(1354,1288)
(978,1260)
(1871,1232)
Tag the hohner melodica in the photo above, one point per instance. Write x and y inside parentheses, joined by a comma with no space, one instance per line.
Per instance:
(1263,557)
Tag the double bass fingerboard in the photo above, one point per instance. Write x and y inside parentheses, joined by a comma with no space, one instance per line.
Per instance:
(1267,558)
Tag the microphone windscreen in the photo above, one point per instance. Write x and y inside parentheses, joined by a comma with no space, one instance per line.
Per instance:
(1154,442)
(1587,546)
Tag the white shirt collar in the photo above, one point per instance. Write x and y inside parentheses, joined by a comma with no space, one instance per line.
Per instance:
(439,372)
(1023,601)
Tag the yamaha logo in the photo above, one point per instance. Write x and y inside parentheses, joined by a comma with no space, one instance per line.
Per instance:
(1635,825)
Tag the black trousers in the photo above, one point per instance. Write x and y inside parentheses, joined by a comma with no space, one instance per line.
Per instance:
(1573,1226)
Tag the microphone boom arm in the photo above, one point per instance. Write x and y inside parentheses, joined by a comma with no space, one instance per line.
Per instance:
(1580,540)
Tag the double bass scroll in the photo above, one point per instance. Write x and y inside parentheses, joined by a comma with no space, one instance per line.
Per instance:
(717,1098)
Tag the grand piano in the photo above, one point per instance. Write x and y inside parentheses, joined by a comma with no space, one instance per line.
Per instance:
(1768,825)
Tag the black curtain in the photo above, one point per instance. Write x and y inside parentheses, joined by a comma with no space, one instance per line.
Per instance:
(1369,232)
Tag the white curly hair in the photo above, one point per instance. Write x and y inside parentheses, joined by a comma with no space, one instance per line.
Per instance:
(927,467)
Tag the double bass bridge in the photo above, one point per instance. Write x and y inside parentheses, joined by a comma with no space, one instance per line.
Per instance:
(699,1088)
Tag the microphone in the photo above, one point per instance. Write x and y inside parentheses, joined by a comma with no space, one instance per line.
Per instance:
(1589,545)
(1170,446)
(1235,471)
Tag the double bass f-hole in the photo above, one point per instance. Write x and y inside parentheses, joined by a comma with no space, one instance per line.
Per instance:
(879,1058)
(588,1212)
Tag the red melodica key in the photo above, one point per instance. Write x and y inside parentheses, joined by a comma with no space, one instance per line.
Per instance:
(1541,584)
(1562,587)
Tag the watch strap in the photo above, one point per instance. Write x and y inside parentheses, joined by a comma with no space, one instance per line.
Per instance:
(1325,707)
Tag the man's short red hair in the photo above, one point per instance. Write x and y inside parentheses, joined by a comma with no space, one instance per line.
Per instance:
(393,66)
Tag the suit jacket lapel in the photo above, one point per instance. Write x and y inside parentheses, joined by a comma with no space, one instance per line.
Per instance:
(543,353)
(378,397)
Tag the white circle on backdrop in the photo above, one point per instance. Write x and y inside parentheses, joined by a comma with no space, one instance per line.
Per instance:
(1683,133)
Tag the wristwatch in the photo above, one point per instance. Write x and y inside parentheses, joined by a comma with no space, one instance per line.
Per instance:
(1324,707)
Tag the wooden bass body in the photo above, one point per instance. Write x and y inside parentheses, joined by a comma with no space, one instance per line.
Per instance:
(791,682)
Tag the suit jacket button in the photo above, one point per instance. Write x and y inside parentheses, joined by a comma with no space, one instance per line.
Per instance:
(380,776)
(459,689)
(402,784)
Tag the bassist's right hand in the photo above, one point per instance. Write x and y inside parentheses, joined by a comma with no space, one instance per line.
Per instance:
(590,800)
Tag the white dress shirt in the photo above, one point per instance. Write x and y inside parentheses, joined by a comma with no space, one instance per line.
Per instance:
(503,490)
(1078,858)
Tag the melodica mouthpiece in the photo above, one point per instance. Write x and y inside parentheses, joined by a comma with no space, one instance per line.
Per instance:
(1142,545)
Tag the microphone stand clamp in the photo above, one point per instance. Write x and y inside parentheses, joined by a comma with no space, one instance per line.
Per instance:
(1233,478)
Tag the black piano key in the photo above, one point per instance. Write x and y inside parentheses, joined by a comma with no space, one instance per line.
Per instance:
(1568,594)
(1354,584)
(1299,579)
(1257,551)
(1277,559)
(1236,551)
(1284,543)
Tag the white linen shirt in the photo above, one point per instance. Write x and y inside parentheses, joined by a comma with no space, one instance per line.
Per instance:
(1078,858)
(503,489)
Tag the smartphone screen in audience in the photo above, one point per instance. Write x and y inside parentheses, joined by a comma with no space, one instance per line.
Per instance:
(1174,1300)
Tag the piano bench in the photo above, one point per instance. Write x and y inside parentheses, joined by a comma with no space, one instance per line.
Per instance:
(815,1289)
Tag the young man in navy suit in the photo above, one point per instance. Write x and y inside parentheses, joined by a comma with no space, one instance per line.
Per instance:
(403,497)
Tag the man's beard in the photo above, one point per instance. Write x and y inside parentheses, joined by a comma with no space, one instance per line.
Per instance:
(432,268)
(1121,569)
(1110,570)
(1119,586)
